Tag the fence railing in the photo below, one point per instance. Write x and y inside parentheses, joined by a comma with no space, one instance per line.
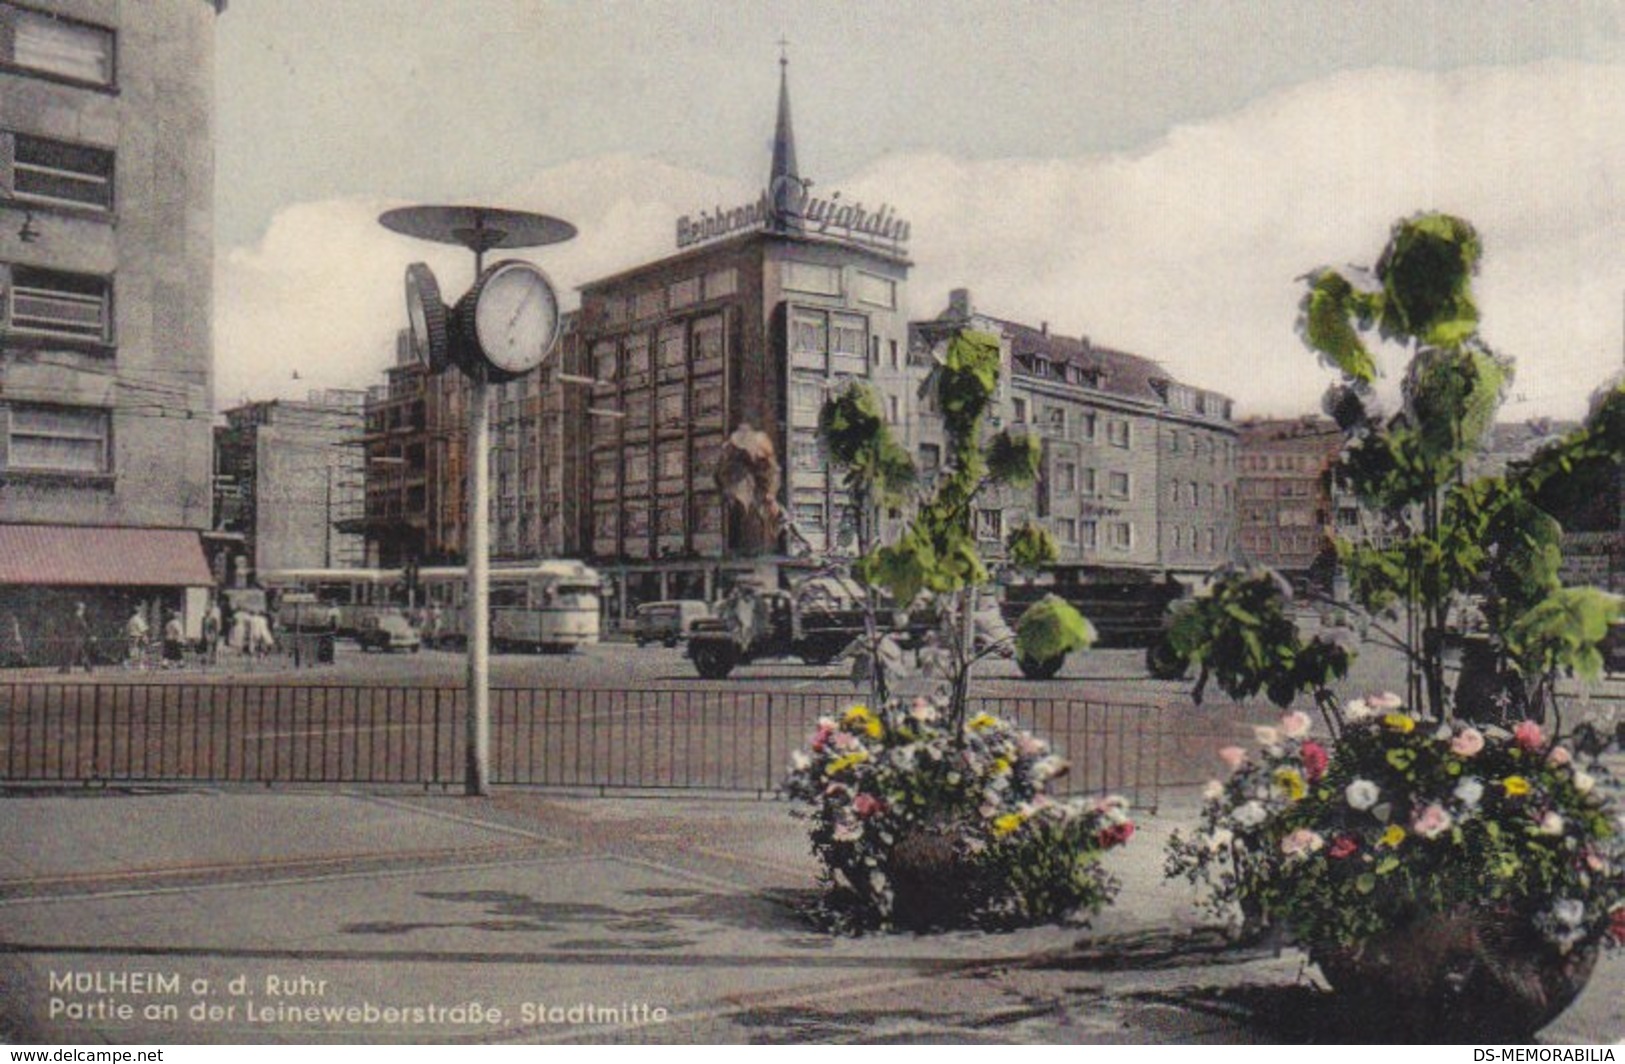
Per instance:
(587,739)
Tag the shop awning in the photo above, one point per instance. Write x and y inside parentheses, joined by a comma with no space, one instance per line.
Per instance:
(79,556)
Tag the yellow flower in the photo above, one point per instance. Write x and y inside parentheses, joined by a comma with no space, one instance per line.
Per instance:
(1393,836)
(1516,786)
(845,761)
(1399,722)
(981,722)
(861,716)
(1291,783)
(1004,825)
(1001,766)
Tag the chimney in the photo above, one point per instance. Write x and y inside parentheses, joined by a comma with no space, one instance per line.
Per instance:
(1043,328)
(959,305)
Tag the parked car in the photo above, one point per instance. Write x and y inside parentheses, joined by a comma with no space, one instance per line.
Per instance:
(388,631)
(668,622)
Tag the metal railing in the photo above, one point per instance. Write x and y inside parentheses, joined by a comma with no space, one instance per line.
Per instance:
(674,739)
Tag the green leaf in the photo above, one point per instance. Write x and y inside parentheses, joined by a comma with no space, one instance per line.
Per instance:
(1387,865)
(1051,628)
(1324,322)
(1365,883)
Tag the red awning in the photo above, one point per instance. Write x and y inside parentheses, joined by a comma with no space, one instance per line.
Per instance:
(73,555)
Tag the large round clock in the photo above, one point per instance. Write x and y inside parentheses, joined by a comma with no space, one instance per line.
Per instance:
(510,318)
(427,314)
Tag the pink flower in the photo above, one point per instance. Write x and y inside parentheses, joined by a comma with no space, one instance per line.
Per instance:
(1559,756)
(1432,822)
(1343,846)
(1314,760)
(1295,725)
(1301,843)
(1386,702)
(867,805)
(1467,742)
(1232,756)
(1527,735)
(826,728)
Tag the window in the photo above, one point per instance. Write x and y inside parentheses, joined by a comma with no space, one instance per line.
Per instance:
(1066,531)
(55,439)
(1089,534)
(1173,443)
(53,173)
(930,457)
(1118,434)
(1055,419)
(874,349)
(673,351)
(68,306)
(1087,426)
(894,363)
(892,405)
(1018,410)
(721,283)
(847,336)
(989,525)
(603,359)
(809,340)
(1118,486)
(1120,535)
(811,277)
(1090,487)
(1178,538)
(874,290)
(683,293)
(1066,479)
(36,41)
(648,304)
(672,463)
(708,345)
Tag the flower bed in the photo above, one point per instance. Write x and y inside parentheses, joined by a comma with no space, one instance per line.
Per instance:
(1497,845)
(919,826)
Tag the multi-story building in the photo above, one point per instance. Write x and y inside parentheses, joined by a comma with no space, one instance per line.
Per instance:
(106,271)
(1286,510)
(293,471)
(1137,469)
(770,307)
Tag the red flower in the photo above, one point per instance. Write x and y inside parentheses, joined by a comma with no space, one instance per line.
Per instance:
(1616,925)
(1115,835)
(867,805)
(1314,760)
(821,737)
(1343,846)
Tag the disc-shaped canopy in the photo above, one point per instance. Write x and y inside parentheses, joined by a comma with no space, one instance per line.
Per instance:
(477,228)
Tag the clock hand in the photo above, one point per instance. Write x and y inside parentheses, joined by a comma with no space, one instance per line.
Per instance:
(521,307)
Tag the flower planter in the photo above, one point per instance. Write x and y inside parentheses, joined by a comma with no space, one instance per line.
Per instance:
(1468,974)
(928,876)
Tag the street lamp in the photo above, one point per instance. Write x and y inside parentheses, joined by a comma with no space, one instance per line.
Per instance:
(505,326)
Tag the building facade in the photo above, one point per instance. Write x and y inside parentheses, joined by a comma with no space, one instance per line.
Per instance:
(106,272)
(1137,469)
(1287,513)
(294,473)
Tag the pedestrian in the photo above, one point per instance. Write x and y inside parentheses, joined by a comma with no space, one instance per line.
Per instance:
(259,634)
(174,642)
(83,636)
(136,632)
(212,629)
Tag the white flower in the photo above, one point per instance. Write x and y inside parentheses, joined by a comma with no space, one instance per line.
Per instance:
(1295,725)
(1357,710)
(1213,791)
(1362,794)
(1220,839)
(1047,767)
(1266,735)
(1583,782)
(1443,733)
(1469,791)
(1551,824)
(1568,911)
(1250,814)
(1386,702)
(800,761)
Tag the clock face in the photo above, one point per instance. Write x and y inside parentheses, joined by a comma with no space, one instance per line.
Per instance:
(516,317)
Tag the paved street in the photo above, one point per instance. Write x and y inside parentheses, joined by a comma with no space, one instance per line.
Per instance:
(283,902)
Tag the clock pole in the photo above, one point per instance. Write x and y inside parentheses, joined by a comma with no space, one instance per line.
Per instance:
(479,229)
(478,777)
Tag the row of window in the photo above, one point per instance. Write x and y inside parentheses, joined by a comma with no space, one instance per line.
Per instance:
(1198,446)
(1281,463)
(654,302)
(1085,532)
(50,439)
(39,42)
(53,173)
(55,304)
(1055,420)
(1193,493)
(1211,540)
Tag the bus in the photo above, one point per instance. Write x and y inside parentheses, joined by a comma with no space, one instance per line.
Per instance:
(549,606)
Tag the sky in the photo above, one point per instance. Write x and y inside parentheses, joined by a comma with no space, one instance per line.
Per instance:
(1157,176)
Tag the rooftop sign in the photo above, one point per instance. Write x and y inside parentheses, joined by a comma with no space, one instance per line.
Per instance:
(789,208)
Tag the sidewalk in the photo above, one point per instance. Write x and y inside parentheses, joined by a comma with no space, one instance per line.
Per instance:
(286,917)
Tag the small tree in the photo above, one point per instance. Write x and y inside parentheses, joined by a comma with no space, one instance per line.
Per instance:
(938,552)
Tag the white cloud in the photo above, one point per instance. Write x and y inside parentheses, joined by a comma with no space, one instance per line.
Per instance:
(1186,252)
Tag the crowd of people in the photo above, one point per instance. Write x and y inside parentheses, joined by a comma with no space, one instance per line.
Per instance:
(73,639)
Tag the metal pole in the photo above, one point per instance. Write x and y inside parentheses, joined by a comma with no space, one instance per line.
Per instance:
(479,611)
